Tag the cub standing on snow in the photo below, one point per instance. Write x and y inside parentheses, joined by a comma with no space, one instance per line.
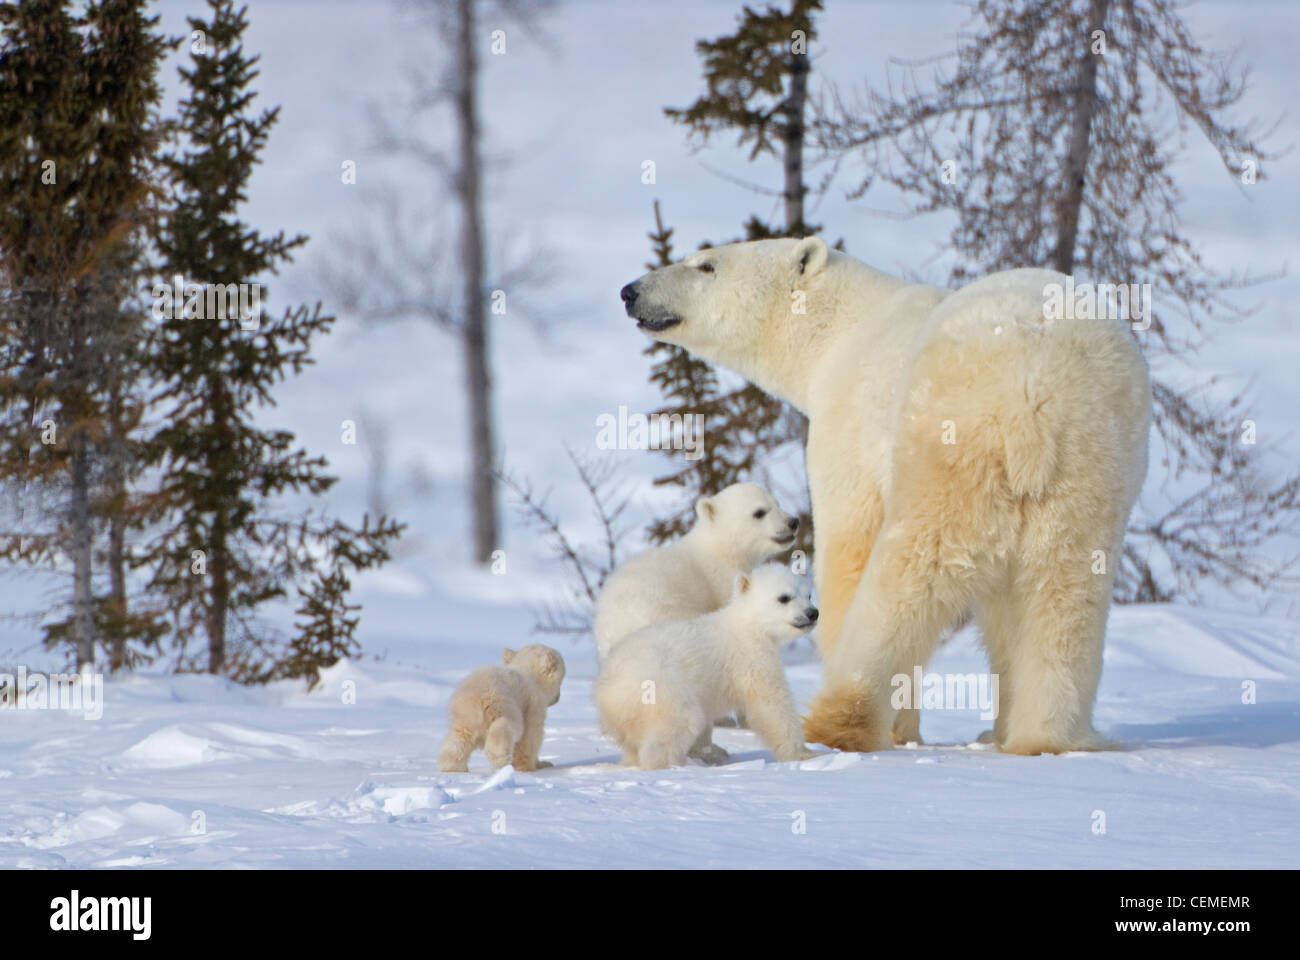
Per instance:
(659,690)
(734,531)
(503,710)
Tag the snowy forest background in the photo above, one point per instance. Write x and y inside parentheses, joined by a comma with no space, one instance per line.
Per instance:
(571,112)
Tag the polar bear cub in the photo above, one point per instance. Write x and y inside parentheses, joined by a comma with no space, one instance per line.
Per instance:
(503,710)
(659,690)
(735,530)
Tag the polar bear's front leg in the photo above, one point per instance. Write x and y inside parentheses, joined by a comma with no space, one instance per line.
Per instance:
(892,627)
(844,560)
(842,547)
(773,716)
(840,562)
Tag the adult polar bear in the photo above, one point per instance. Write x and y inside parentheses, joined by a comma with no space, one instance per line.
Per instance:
(962,450)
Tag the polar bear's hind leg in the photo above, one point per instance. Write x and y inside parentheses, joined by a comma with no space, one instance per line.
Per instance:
(502,735)
(456,749)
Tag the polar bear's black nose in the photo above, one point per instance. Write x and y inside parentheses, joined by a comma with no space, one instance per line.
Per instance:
(812,614)
(628,294)
(793,523)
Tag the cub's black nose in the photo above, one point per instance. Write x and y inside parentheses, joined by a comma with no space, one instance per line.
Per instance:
(628,294)
(793,523)
(813,614)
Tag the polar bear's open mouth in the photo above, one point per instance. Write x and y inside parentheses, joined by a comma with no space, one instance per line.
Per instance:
(784,541)
(655,326)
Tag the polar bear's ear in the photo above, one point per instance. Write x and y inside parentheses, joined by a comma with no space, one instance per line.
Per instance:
(705,509)
(742,585)
(507,655)
(810,256)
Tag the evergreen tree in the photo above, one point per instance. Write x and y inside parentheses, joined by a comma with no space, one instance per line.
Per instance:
(45,135)
(126,56)
(78,100)
(327,622)
(224,549)
(756,85)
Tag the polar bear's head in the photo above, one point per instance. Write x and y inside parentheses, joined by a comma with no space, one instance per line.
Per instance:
(735,303)
(776,602)
(542,663)
(745,522)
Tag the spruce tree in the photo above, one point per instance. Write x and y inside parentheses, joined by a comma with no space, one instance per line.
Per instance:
(78,99)
(126,55)
(226,545)
(45,136)
(327,623)
(756,86)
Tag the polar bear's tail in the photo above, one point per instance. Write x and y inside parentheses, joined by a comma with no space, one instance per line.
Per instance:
(1029,440)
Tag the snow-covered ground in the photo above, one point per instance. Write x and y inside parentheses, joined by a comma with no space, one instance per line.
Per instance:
(277,777)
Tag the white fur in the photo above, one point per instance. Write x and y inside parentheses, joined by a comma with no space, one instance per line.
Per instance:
(503,710)
(695,574)
(659,690)
(1049,422)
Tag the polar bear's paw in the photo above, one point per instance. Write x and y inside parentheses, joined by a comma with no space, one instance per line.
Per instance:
(712,755)
(1033,745)
(907,728)
(796,754)
(843,719)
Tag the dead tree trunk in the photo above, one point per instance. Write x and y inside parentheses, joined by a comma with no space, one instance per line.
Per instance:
(478,375)
(793,136)
(83,599)
(1085,104)
(117,469)
(218,557)
(794,190)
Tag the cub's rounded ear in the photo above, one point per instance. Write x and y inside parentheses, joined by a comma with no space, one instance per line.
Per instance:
(742,585)
(507,655)
(705,509)
(553,662)
(810,256)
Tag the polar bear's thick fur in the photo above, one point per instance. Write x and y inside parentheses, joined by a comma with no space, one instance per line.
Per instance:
(659,689)
(503,710)
(735,530)
(963,450)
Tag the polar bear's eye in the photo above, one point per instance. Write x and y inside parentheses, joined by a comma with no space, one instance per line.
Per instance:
(784,598)
(705,268)
(760,514)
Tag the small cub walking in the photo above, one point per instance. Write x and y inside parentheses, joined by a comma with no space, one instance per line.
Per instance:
(660,689)
(503,710)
